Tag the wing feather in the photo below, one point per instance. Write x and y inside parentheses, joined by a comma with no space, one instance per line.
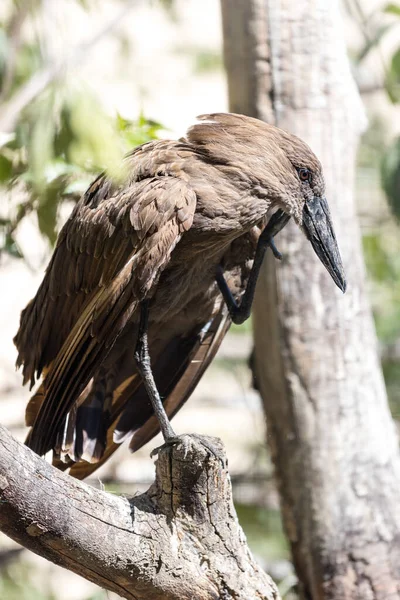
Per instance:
(178,368)
(102,267)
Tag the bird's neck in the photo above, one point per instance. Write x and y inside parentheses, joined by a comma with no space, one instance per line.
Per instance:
(231,214)
(229,201)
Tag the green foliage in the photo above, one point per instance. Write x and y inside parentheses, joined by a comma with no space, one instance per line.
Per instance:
(372,41)
(206,61)
(373,143)
(373,27)
(382,247)
(391,373)
(392,9)
(382,257)
(393,78)
(374,31)
(17,583)
(263,529)
(203,59)
(390,176)
(169,7)
(62,139)
(138,132)
(58,146)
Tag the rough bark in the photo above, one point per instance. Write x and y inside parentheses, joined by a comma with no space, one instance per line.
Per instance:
(179,541)
(329,427)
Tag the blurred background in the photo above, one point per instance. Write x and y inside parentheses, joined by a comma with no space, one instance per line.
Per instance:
(82,82)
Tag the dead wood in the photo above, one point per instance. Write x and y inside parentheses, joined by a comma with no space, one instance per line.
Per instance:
(179,540)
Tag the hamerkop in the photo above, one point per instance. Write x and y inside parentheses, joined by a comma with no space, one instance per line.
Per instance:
(156,268)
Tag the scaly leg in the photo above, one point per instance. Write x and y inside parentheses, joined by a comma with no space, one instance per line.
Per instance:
(240,313)
(143,363)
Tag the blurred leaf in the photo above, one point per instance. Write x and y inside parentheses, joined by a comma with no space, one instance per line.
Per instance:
(122,124)
(95,142)
(18,581)
(373,142)
(167,4)
(378,261)
(6,138)
(393,78)
(29,60)
(393,9)
(263,529)
(6,169)
(140,131)
(3,52)
(40,148)
(61,140)
(373,41)
(390,176)
(86,4)
(48,209)
(206,61)
(78,186)
(382,257)
(387,320)
(170,8)
(391,373)
(10,246)
(64,136)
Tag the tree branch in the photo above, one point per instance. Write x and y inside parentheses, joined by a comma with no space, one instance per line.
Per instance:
(179,540)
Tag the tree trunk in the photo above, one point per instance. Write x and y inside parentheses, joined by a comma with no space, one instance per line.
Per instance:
(329,427)
(178,541)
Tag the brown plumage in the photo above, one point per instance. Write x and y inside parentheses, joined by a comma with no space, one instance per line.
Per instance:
(184,208)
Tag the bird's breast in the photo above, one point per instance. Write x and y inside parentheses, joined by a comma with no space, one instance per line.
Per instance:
(189,282)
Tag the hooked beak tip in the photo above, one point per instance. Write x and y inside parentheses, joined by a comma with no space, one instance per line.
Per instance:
(318,227)
(342,285)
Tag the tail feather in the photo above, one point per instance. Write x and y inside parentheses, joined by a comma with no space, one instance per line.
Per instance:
(121,396)
(177,371)
(34,405)
(76,363)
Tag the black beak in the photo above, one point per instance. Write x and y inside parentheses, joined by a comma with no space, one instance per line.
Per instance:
(318,227)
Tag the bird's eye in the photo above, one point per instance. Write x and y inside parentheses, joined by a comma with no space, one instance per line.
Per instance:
(305,175)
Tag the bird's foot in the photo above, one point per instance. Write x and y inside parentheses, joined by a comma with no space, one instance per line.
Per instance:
(274,249)
(169,442)
(276,223)
(185,440)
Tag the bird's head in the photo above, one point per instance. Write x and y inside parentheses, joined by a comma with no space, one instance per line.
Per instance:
(280,167)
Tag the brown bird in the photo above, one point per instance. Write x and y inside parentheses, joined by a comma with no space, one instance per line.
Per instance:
(157,267)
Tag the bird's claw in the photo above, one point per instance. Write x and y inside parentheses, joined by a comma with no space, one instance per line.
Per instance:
(276,223)
(170,442)
(185,440)
(274,249)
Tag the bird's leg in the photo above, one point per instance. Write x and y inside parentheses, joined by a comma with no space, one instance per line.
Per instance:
(239,313)
(142,358)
